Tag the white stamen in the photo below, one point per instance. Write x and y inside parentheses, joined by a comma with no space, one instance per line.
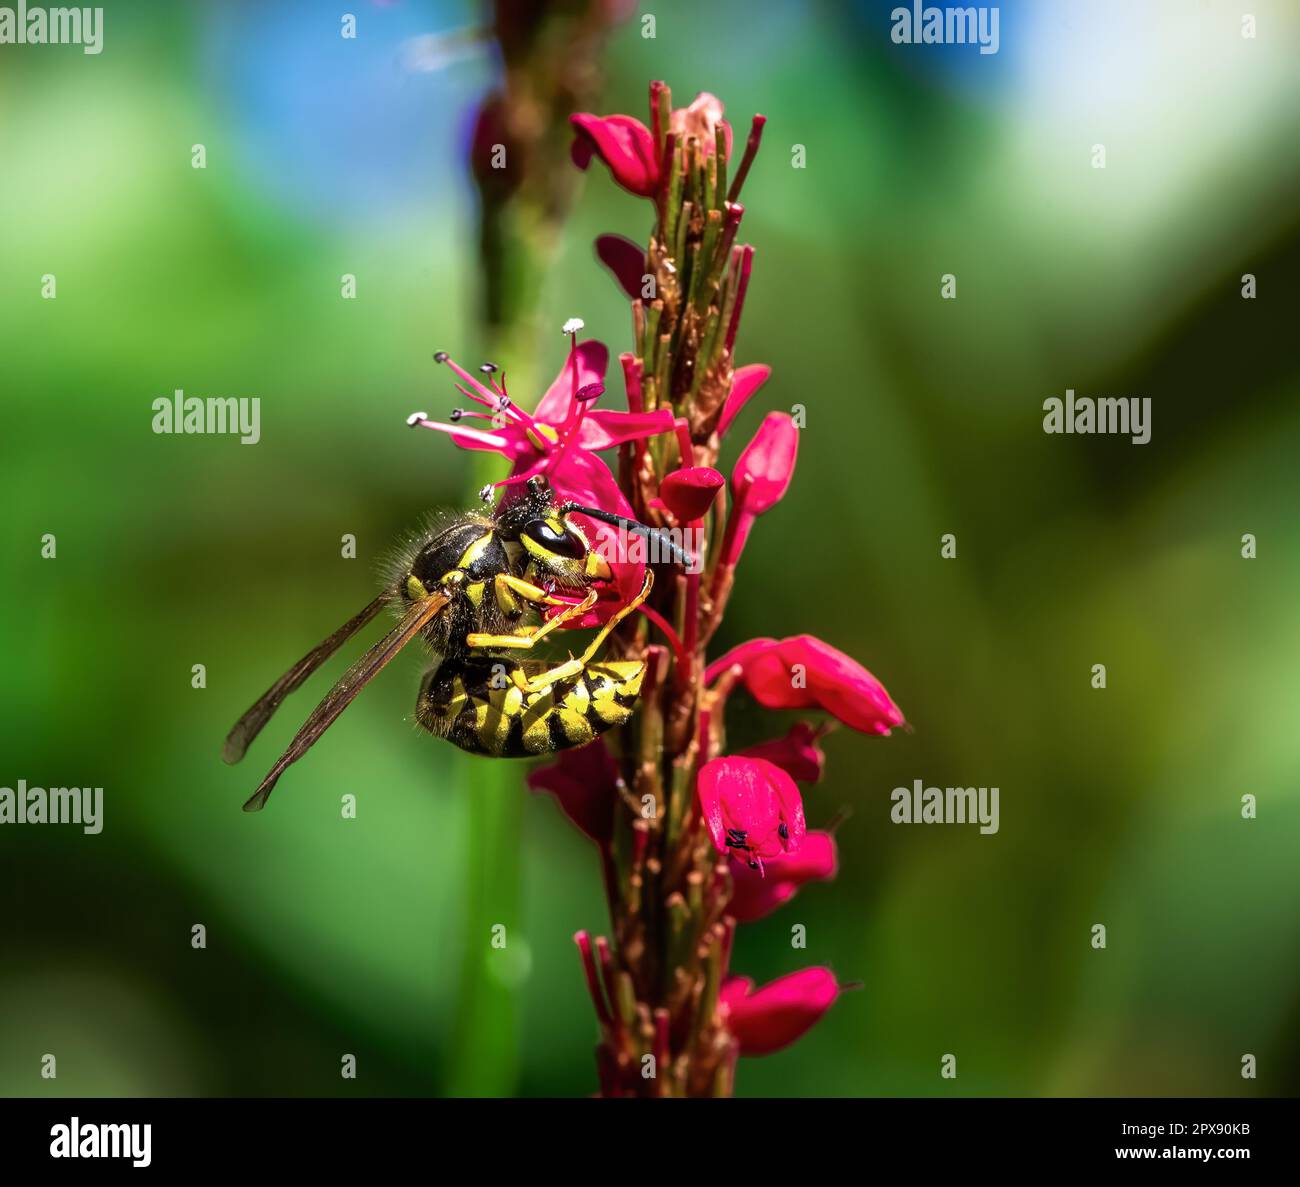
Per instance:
(572,326)
(415,418)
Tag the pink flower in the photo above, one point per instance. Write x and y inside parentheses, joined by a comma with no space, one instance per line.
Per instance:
(760,479)
(627,146)
(701,120)
(797,753)
(757,894)
(770,1018)
(802,672)
(559,439)
(564,418)
(689,492)
(751,807)
(623,143)
(584,781)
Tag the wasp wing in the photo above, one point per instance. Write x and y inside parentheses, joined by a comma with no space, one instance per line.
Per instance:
(342,694)
(250,725)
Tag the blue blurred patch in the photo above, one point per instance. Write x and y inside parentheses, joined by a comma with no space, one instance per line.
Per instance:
(344,130)
(962,68)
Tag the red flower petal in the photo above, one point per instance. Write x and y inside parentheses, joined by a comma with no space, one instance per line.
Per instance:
(593,359)
(756,894)
(626,260)
(751,807)
(624,144)
(797,753)
(761,656)
(583,781)
(584,478)
(689,492)
(770,1018)
(744,383)
(739,656)
(604,427)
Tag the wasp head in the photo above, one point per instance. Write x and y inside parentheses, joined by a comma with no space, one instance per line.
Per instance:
(556,547)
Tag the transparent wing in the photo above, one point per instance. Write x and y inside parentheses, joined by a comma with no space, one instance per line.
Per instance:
(341,695)
(250,725)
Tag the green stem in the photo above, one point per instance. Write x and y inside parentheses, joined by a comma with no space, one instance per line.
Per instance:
(485,1053)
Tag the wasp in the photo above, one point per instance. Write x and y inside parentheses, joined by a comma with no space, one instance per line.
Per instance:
(465,588)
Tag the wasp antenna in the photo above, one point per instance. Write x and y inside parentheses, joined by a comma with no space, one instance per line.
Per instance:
(661,538)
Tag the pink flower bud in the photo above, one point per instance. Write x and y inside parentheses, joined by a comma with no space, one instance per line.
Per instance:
(751,807)
(770,1018)
(803,672)
(701,120)
(689,493)
(767,463)
(760,479)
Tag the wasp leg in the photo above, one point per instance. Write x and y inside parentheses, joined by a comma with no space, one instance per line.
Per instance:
(506,585)
(574,667)
(528,636)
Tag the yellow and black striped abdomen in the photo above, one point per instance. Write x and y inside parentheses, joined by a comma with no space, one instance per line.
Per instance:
(475,704)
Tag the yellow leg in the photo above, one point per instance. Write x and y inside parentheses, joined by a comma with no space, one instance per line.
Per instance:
(574,667)
(506,584)
(528,636)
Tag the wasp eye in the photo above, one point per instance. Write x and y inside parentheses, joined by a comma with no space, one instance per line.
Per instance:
(561,543)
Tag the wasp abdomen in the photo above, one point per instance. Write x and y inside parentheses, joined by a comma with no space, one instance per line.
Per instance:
(477,705)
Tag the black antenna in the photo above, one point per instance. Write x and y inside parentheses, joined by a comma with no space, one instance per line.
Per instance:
(658,535)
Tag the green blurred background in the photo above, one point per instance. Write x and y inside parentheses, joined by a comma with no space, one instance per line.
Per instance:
(328,156)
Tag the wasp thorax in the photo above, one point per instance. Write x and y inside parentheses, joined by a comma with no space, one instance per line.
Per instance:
(464,552)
